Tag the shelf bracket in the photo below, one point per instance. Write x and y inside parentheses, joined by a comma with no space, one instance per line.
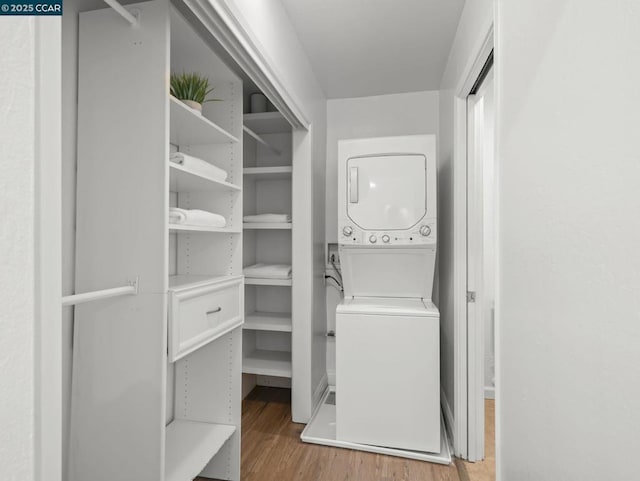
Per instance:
(261,140)
(132,18)
(130,289)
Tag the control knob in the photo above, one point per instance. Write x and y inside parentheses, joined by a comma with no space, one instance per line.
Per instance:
(347,231)
(386,238)
(425,230)
(372,239)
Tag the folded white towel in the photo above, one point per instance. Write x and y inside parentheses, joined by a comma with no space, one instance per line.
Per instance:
(195,217)
(267,218)
(268,271)
(198,166)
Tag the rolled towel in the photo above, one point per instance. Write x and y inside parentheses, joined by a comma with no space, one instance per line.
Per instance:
(198,166)
(268,271)
(267,218)
(195,217)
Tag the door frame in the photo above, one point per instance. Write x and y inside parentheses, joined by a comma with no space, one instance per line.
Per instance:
(476,261)
(468,405)
(48,247)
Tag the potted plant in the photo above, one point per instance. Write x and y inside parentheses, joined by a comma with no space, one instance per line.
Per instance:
(192,89)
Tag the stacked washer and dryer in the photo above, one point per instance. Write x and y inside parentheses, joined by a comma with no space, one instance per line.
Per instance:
(387,393)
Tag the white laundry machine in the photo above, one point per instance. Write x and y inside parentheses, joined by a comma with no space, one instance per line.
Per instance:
(387,328)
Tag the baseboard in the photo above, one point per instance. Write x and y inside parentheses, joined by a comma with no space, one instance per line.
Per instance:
(489,392)
(331,377)
(319,392)
(448,418)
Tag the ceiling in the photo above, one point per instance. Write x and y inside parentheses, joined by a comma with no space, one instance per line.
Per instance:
(372,47)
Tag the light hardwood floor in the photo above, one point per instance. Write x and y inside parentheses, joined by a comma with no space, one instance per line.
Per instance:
(484,470)
(272,451)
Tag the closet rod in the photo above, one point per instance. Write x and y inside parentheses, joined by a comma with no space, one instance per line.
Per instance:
(261,140)
(124,13)
(130,289)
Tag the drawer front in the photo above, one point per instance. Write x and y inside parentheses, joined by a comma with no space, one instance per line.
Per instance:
(197,318)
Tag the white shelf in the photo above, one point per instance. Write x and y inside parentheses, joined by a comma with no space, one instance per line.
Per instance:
(183,281)
(266,225)
(255,281)
(267,123)
(197,228)
(268,363)
(269,173)
(268,321)
(182,179)
(190,446)
(191,128)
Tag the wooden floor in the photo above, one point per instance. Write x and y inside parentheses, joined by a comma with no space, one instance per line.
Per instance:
(272,451)
(485,470)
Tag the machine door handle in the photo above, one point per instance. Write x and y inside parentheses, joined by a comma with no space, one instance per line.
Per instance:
(353,185)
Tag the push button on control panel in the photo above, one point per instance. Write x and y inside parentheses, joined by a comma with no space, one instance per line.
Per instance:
(373,239)
(385,238)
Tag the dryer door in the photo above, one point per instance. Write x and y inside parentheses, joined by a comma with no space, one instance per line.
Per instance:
(386,192)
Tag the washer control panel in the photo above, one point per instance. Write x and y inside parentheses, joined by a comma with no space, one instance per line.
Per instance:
(423,233)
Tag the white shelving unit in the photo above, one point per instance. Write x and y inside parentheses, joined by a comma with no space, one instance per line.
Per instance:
(182,179)
(268,321)
(188,127)
(190,444)
(157,376)
(274,173)
(255,281)
(267,225)
(177,228)
(267,123)
(268,324)
(268,363)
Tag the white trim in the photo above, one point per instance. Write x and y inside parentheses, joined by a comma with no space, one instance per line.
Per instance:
(123,12)
(319,431)
(489,392)
(496,316)
(448,415)
(223,19)
(471,72)
(331,377)
(460,276)
(475,65)
(319,391)
(48,245)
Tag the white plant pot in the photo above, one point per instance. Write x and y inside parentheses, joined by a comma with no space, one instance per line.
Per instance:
(194,105)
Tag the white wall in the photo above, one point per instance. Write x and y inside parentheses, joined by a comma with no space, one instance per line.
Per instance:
(569,175)
(476,18)
(383,115)
(17,248)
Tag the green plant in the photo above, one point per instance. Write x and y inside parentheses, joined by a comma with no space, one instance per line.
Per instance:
(191,86)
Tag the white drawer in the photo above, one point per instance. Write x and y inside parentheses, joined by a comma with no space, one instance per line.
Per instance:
(200,314)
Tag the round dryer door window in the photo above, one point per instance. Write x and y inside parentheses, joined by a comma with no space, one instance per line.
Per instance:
(386,192)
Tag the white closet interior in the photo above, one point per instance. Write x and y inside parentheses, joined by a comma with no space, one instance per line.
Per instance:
(268,319)
(156,376)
